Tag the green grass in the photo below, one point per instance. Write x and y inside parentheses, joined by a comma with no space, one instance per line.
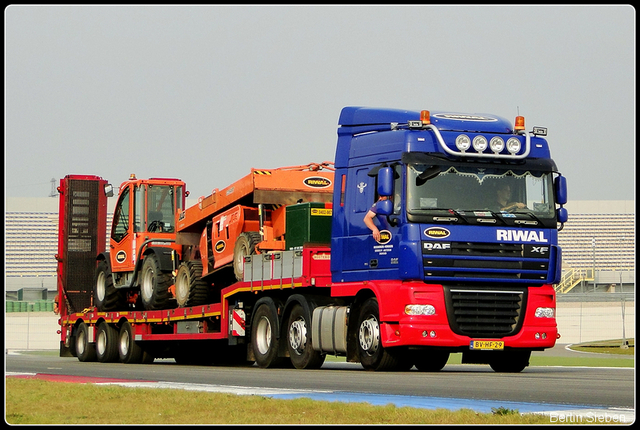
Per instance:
(34,401)
(614,346)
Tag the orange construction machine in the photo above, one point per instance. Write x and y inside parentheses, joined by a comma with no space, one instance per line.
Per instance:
(162,255)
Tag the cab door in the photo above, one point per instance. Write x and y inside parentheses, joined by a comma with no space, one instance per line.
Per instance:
(122,241)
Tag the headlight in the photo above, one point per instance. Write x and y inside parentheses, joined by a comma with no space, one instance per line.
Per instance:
(513,145)
(419,310)
(479,143)
(496,144)
(463,142)
(545,312)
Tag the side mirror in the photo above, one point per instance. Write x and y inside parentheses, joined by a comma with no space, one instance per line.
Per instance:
(385,207)
(563,215)
(385,181)
(108,190)
(561,190)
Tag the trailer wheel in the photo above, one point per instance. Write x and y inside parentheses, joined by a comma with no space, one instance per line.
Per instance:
(191,290)
(430,361)
(106,343)
(154,285)
(373,356)
(301,351)
(245,245)
(85,350)
(264,338)
(106,297)
(128,350)
(510,361)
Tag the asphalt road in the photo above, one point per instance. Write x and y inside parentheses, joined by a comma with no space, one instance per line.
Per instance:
(598,387)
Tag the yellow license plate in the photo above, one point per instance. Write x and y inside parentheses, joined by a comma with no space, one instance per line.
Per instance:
(486,344)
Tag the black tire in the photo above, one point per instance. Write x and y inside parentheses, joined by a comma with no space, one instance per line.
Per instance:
(85,350)
(245,245)
(154,285)
(372,355)
(128,350)
(106,297)
(301,351)
(106,343)
(510,361)
(264,339)
(430,361)
(191,290)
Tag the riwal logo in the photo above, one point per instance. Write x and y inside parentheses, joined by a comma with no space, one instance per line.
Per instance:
(521,236)
(437,232)
(317,182)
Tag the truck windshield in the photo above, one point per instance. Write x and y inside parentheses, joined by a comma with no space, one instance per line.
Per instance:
(467,191)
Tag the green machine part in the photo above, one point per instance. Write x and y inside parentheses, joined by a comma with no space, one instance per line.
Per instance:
(308,223)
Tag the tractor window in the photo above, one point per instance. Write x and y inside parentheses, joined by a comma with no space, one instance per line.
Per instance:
(138,209)
(121,217)
(160,209)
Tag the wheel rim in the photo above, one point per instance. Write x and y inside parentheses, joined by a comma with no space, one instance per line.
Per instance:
(369,335)
(298,335)
(101,289)
(182,287)
(80,342)
(263,338)
(124,343)
(239,260)
(147,284)
(101,343)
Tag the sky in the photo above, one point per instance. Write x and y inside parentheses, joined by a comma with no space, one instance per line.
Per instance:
(205,93)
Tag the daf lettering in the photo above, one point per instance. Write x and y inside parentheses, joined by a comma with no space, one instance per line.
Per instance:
(429,246)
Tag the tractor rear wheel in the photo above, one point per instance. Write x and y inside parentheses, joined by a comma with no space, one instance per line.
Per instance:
(245,245)
(154,285)
(191,290)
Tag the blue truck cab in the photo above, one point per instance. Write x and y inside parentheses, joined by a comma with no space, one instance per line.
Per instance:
(444,172)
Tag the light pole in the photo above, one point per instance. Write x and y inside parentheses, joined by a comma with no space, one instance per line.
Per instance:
(593,247)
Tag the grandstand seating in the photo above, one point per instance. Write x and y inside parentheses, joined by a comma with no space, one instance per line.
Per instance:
(31,242)
(610,237)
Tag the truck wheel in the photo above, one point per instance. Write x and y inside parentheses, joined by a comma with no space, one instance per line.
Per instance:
(191,290)
(301,352)
(373,356)
(511,361)
(106,297)
(128,350)
(154,285)
(245,245)
(430,361)
(106,343)
(264,338)
(85,350)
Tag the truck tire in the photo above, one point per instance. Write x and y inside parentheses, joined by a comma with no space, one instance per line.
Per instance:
(301,351)
(85,350)
(106,297)
(191,290)
(430,361)
(264,339)
(245,245)
(510,361)
(128,350)
(106,343)
(372,355)
(154,285)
